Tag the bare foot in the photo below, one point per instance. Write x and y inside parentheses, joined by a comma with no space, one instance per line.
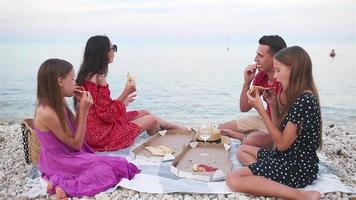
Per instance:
(49,187)
(310,195)
(233,134)
(60,194)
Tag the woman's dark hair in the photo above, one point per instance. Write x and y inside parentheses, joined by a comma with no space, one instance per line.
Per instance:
(95,60)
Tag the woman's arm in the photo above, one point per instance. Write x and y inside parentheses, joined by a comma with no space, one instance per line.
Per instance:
(271,97)
(47,119)
(244,106)
(276,117)
(130,87)
(283,140)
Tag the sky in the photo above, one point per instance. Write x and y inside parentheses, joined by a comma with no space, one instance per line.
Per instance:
(308,20)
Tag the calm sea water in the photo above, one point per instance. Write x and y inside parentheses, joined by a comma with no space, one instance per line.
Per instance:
(185,83)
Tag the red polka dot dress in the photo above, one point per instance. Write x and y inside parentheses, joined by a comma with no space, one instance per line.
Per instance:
(108,125)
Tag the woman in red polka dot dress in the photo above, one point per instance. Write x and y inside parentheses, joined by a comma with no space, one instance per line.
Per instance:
(110,126)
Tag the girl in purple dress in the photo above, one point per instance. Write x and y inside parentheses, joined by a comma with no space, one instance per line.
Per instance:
(69,165)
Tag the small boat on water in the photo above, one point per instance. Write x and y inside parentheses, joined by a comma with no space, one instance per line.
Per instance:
(332,54)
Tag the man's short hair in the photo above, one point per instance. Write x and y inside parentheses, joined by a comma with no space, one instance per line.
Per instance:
(275,43)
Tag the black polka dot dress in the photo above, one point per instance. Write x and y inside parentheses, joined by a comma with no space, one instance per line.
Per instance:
(298,165)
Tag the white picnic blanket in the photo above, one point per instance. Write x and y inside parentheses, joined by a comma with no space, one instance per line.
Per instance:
(155,177)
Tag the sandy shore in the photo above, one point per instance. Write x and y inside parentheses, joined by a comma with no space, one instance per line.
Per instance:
(338,145)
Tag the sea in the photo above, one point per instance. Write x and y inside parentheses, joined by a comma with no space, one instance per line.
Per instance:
(183,82)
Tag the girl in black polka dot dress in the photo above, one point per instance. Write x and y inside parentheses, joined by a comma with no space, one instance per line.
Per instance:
(295,128)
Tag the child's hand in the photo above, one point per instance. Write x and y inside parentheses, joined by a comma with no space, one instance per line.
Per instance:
(255,101)
(130,98)
(86,101)
(78,92)
(271,97)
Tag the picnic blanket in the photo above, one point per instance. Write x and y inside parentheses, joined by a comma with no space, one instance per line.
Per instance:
(155,177)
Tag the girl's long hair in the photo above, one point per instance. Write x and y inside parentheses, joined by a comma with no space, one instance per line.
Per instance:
(95,60)
(48,89)
(301,77)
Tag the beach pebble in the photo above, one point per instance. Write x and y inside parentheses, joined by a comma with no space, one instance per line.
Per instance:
(188,197)
(338,147)
(2,194)
(206,198)
(131,192)
(167,197)
(231,196)
(113,194)
(243,198)
(101,196)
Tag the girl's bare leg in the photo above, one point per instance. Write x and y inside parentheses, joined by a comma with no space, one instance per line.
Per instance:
(247,154)
(229,125)
(141,113)
(60,194)
(232,130)
(233,134)
(150,126)
(243,180)
(49,187)
(258,139)
(147,123)
(165,125)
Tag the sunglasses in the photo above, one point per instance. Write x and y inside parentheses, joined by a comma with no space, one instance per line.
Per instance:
(114,48)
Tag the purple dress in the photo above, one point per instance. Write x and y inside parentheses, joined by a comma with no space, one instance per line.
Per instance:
(80,173)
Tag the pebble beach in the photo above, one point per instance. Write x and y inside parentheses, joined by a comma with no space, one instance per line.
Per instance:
(338,147)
